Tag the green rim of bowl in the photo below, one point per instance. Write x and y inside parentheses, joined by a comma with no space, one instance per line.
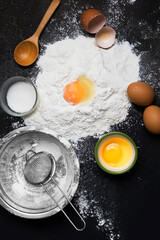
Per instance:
(107,170)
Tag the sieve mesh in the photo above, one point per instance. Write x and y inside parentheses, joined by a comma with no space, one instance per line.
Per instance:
(38,168)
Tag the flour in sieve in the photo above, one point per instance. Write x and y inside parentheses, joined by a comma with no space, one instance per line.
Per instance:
(110,70)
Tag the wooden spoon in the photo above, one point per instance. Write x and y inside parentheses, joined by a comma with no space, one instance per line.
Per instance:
(27,51)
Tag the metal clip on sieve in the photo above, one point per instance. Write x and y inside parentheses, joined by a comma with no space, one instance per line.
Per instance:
(39,170)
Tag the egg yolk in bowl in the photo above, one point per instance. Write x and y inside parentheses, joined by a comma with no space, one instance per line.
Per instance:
(116,153)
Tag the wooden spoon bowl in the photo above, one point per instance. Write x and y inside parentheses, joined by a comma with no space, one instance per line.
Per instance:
(26,53)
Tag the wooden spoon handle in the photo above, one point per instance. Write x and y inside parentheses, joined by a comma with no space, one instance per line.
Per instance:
(52,7)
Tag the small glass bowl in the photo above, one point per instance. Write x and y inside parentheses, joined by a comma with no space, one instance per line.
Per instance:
(123,169)
(3,95)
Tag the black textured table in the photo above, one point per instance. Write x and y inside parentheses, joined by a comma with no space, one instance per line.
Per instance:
(132,200)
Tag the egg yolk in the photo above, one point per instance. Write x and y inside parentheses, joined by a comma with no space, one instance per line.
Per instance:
(116,152)
(78,91)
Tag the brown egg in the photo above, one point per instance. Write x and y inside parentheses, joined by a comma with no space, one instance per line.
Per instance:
(151,118)
(92,20)
(140,93)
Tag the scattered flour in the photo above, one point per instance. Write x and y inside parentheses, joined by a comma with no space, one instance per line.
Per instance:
(110,70)
(92,209)
(132,1)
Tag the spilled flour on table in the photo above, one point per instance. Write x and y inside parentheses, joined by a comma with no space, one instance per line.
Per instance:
(132,1)
(111,71)
(104,222)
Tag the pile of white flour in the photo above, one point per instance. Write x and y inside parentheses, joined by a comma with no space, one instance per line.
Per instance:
(111,71)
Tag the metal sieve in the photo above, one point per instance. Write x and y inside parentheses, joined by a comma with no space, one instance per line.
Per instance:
(39,170)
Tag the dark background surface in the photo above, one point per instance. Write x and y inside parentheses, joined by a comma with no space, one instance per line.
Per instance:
(134,198)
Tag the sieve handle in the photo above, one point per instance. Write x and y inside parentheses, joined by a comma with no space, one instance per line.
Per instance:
(29,154)
(84,224)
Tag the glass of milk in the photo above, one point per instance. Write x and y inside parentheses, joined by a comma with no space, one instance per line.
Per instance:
(18,96)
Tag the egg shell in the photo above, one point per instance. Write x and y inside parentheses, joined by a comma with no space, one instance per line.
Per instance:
(140,93)
(105,38)
(151,118)
(92,20)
